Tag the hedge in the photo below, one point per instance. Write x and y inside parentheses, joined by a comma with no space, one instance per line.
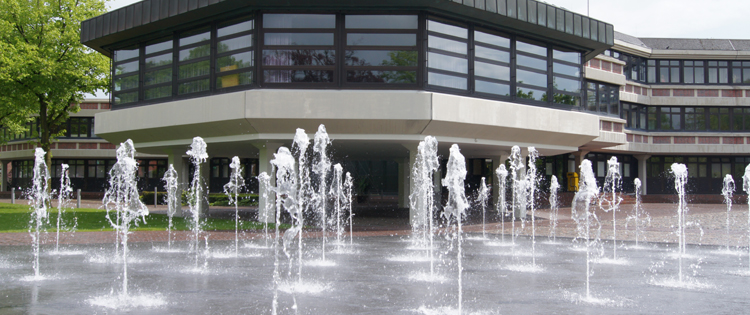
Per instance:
(214,199)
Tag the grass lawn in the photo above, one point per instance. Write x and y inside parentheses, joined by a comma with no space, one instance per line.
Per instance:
(16,218)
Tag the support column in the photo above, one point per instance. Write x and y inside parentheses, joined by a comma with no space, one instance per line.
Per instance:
(265,155)
(642,171)
(497,160)
(405,182)
(178,162)
(4,175)
(580,156)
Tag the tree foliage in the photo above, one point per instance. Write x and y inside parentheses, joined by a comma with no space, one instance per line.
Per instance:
(44,68)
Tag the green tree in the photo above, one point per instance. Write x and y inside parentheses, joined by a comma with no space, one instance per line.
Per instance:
(45,71)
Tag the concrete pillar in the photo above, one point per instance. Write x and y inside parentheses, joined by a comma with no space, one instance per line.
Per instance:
(642,171)
(497,160)
(405,182)
(265,155)
(580,156)
(178,162)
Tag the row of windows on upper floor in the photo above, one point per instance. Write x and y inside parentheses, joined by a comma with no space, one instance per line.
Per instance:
(346,51)
(75,127)
(663,71)
(686,118)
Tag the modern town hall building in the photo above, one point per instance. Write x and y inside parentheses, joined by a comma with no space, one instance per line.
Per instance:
(382,75)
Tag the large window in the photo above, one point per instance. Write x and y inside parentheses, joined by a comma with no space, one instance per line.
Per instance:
(340,50)
(299,48)
(669,118)
(381,49)
(447,55)
(602,98)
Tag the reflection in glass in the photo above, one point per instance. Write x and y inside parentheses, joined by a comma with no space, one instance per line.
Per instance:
(126,83)
(448,63)
(565,84)
(492,54)
(446,81)
(566,99)
(302,57)
(531,94)
(158,47)
(447,44)
(235,28)
(195,52)
(372,76)
(236,61)
(243,78)
(569,56)
(491,71)
(405,58)
(123,98)
(566,69)
(382,21)
(126,68)
(195,38)
(159,60)
(356,39)
(158,76)
(492,88)
(531,62)
(532,78)
(319,39)
(234,43)
(158,92)
(194,69)
(447,29)
(299,20)
(531,48)
(126,54)
(193,86)
(290,76)
(491,39)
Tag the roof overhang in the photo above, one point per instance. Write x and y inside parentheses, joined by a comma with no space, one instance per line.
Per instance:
(157,18)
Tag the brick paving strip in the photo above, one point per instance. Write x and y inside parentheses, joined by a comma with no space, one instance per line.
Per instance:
(711,218)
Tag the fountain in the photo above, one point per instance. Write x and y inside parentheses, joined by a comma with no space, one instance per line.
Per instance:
(531,184)
(680,173)
(554,187)
(422,197)
(123,199)
(39,200)
(455,207)
(610,201)
(482,196)
(639,217)
(232,189)
(746,188)
(198,156)
(518,187)
(502,176)
(63,196)
(173,199)
(585,217)
(320,168)
(348,186)
(727,190)
(337,191)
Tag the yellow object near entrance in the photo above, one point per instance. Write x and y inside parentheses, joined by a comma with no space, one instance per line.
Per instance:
(572,181)
(229,80)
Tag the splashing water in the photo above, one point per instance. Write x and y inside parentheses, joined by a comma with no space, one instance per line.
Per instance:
(63,197)
(482,196)
(348,185)
(554,187)
(232,189)
(727,190)
(531,184)
(122,198)
(746,188)
(305,192)
(264,185)
(320,168)
(422,198)
(196,194)
(584,216)
(455,208)
(518,204)
(502,176)
(680,173)
(639,217)
(39,199)
(337,191)
(610,202)
(173,199)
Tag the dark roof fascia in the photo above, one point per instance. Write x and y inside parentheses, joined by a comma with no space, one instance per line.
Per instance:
(156,18)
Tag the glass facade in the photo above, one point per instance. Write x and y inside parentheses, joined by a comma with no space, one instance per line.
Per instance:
(702,72)
(687,118)
(357,51)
